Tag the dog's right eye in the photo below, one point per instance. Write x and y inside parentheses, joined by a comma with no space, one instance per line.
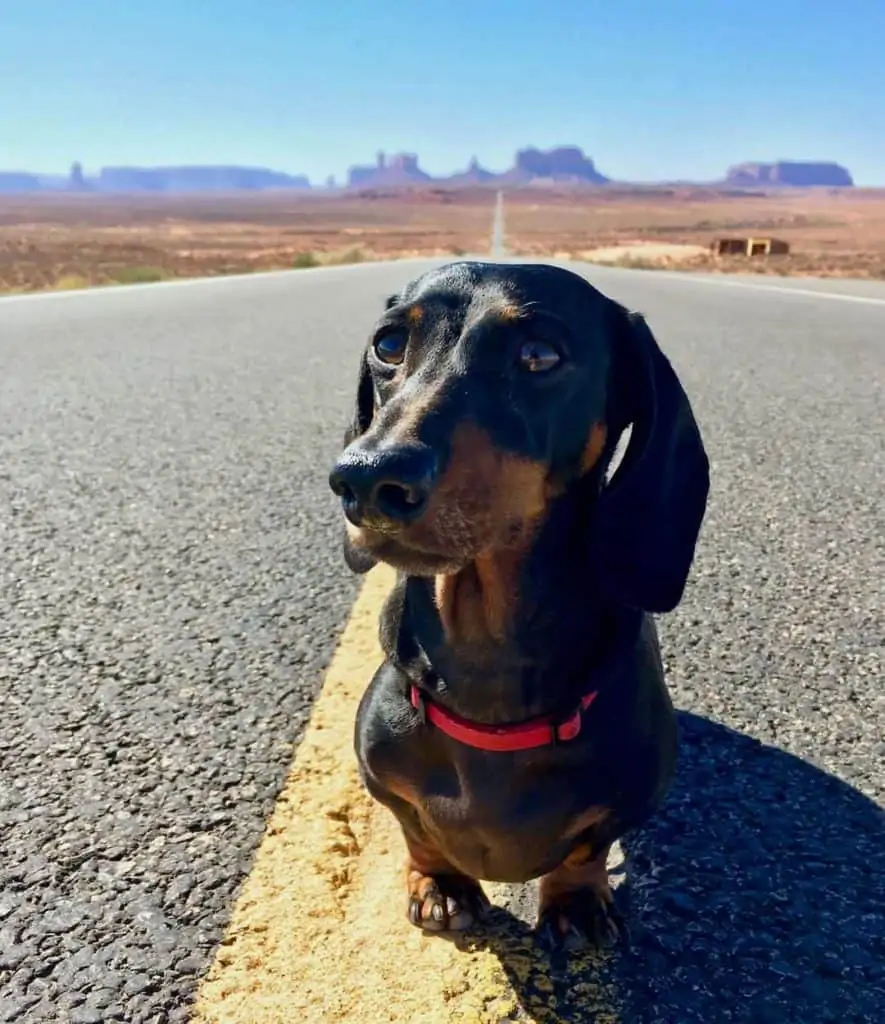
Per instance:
(539,357)
(391,348)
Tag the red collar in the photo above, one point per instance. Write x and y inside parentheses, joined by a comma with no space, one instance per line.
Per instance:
(538,732)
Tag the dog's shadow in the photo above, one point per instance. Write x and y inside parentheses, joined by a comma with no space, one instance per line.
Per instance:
(756,894)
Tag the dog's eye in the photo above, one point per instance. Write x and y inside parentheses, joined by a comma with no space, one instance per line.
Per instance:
(391,348)
(538,356)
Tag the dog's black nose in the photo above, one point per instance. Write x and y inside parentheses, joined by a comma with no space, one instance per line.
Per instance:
(391,483)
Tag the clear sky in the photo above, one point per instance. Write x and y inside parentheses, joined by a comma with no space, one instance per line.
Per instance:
(650,89)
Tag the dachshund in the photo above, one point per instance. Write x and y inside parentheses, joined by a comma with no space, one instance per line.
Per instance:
(523,454)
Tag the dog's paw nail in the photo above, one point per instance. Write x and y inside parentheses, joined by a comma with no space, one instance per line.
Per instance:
(415,912)
(591,922)
(446,903)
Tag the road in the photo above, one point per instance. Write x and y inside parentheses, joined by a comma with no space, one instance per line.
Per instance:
(171,593)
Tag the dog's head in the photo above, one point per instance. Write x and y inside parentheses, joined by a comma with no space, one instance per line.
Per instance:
(487,392)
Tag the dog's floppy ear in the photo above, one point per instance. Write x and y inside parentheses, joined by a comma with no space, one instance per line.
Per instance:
(364,406)
(357,559)
(648,517)
(364,403)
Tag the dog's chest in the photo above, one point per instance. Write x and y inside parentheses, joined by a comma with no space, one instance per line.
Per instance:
(496,816)
(499,825)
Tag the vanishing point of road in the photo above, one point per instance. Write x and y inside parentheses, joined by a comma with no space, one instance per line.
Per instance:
(176,617)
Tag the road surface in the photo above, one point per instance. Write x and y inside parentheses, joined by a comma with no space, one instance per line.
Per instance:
(172,592)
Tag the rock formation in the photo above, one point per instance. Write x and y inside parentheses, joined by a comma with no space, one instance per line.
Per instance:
(400,169)
(474,175)
(76,180)
(790,172)
(19,181)
(194,179)
(563,163)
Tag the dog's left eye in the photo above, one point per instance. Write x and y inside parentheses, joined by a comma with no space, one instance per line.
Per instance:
(538,357)
(391,348)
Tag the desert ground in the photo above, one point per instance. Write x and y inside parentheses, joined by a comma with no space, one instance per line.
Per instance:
(71,241)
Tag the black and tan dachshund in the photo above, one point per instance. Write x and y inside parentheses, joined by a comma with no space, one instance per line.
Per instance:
(520,723)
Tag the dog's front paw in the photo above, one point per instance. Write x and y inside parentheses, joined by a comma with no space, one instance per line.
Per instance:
(577,915)
(439,903)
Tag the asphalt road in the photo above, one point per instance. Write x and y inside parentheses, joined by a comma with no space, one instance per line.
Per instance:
(171,589)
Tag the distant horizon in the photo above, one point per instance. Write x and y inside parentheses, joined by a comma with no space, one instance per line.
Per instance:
(665,92)
(317,181)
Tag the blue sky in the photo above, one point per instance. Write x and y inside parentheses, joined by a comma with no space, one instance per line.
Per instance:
(649,88)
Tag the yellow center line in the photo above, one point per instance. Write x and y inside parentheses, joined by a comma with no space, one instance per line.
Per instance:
(319,929)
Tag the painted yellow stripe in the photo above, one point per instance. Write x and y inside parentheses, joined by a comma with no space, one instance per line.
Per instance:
(319,931)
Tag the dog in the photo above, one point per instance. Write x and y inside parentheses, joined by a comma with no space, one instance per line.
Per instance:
(520,722)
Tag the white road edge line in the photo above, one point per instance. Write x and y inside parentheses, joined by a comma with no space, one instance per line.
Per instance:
(787,290)
(181,282)
(750,286)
